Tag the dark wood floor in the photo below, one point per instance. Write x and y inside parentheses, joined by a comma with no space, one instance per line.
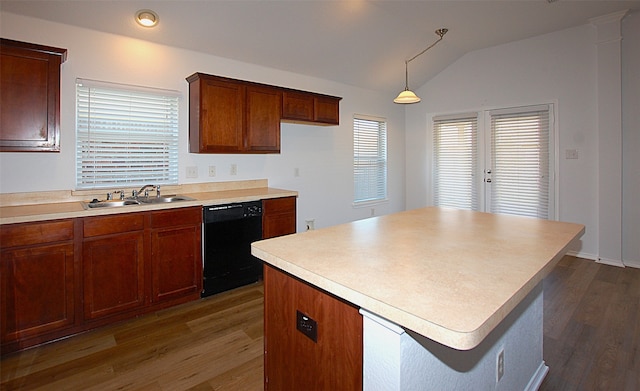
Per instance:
(592,327)
(591,342)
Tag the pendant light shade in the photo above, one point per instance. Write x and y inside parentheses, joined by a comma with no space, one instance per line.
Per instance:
(408,96)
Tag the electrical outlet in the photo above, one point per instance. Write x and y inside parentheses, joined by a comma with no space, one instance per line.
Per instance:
(310,224)
(234,169)
(192,172)
(212,170)
(500,365)
(296,172)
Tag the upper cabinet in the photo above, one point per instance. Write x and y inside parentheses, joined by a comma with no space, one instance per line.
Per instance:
(235,116)
(30,96)
(298,106)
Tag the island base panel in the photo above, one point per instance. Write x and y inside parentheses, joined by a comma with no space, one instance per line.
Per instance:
(293,360)
(396,359)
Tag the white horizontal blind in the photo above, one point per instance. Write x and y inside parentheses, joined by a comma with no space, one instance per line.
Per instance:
(369,159)
(520,162)
(455,143)
(126,135)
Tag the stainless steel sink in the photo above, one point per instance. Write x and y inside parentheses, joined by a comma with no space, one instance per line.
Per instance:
(135,201)
(108,204)
(164,198)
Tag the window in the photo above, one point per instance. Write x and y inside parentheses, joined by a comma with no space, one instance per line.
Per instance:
(520,161)
(126,135)
(512,174)
(369,159)
(455,141)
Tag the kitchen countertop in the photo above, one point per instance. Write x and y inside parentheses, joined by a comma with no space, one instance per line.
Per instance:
(43,211)
(449,275)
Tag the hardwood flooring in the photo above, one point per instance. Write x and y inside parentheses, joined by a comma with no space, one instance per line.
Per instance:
(592,327)
(213,344)
(591,342)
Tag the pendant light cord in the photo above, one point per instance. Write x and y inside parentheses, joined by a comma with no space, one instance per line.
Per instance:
(441,33)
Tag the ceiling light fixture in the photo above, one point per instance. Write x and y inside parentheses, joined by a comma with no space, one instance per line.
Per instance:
(408,96)
(147,18)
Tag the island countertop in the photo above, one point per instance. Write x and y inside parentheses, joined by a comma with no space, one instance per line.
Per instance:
(449,275)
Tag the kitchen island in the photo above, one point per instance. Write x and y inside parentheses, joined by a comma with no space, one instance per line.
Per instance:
(442,292)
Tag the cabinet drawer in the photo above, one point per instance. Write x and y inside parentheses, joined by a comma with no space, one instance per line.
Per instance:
(277,205)
(106,225)
(176,217)
(26,234)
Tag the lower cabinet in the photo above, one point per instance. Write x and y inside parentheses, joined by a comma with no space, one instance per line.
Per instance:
(113,260)
(278,217)
(62,277)
(176,254)
(39,282)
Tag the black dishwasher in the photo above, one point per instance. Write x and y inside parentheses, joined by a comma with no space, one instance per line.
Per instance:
(228,233)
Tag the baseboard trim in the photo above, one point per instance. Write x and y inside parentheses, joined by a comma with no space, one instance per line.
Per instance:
(582,255)
(538,377)
(634,264)
(612,262)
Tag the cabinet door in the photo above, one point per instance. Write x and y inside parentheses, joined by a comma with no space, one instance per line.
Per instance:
(263,110)
(327,110)
(38,290)
(176,254)
(278,217)
(217,116)
(113,270)
(29,97)
(297,106)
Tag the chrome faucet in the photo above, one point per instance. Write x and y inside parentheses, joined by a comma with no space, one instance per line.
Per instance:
(145,188)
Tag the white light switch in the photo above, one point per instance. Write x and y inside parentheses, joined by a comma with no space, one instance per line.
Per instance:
(570,153)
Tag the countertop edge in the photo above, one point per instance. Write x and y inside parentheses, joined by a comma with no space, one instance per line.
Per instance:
(75,210)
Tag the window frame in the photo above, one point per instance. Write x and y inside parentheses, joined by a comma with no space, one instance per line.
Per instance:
(126,136)
(377,157)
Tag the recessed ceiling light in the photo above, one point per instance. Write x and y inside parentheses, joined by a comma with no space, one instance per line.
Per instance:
(147,18)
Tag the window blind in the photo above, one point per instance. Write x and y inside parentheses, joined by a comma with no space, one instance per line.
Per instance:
(125,135)
(369,159)
(455,142)
(520,162)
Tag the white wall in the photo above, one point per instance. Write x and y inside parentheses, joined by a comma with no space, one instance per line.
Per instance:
(323,155)
(557,68)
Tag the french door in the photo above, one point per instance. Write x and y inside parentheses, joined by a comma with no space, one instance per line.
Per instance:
(498,161)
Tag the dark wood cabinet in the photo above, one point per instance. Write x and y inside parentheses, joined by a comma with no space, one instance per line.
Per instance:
(113,264)
(30,96)
(278,217)
(176,254)
(231,116)
(263,111)
(293,359)
(310,108)
(234,116)
(39,279)
(216,115)
(61,277)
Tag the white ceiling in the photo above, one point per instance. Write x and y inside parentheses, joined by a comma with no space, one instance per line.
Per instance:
(358,42)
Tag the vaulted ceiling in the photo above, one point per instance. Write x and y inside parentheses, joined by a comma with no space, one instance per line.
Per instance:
(357,42)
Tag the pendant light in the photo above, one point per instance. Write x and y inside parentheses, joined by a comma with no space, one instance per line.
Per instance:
(408,96)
